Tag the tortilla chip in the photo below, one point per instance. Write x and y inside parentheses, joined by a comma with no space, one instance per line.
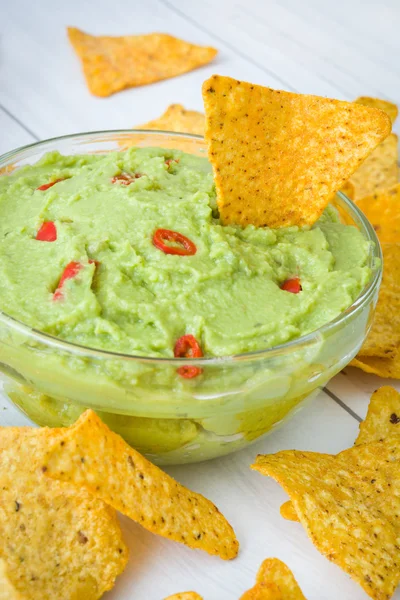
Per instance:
(88,454)
(111,64)
(348,189)
(349,506)
(275,581)
(389,108)
(278,157)
(379,170)
(287,511)
(383,417)
(383,367)
(56,541)
(382,421)
(183,596)
(7,589)
(178,118)
(384,338)
(383,211)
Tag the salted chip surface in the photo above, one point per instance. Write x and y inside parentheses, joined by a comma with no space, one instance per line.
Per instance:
(275,581)
(383,417)
(178,118)
(379,171)
(7,588)
(89,455)
(185,596)
(382,421)
(111,64)
(383,210)
(383,367)
(383,339)
(278,157)
(389,107)
(56,541)
(349,505)
(348,189)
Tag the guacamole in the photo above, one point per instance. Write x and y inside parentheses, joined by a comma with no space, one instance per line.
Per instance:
(124,252)
(125,294)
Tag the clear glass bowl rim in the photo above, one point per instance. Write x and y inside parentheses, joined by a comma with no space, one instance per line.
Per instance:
(293,345)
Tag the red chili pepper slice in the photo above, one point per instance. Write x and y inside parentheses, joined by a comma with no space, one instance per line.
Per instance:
(125,178)
(292,285)
(188,347)
(185,248)
(47,232)
(71,270)
(46,186)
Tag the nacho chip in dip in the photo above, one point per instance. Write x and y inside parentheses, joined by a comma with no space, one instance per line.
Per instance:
(389,108)
(277,156)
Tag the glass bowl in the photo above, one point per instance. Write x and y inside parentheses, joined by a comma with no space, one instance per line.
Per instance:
(172,420)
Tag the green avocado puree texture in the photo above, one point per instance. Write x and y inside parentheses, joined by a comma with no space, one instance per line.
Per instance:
(138,300)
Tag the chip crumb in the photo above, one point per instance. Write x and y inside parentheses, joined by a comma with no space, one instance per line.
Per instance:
(275,581)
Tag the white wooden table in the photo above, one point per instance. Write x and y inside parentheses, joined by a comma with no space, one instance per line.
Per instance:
(339,49)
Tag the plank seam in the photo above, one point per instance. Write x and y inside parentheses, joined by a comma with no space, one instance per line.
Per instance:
(342,404)
(20,123)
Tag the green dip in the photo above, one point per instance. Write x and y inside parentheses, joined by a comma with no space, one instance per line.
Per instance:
(136,299)
(139,300)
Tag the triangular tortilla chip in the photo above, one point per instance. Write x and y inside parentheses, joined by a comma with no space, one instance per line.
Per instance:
(89,455)
(57,541)
(382,421)
(275,581)
(379,170)
(111,64)
(278,157)
(383,417)
(383,211)
(349,505)
(384,338)
(389,108)
(178,118)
